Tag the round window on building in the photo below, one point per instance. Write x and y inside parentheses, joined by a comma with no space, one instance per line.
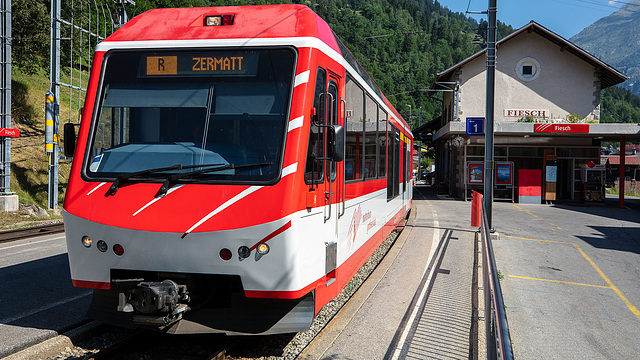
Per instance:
(528,69)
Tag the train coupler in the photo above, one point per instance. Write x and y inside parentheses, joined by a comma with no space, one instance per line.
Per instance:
(161,321)
(160,302)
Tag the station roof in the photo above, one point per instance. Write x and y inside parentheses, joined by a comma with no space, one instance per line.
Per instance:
(604,132)
(609,75)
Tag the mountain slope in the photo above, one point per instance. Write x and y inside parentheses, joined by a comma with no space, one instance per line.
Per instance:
(616,40)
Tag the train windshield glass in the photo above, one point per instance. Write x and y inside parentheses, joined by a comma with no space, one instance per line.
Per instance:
(159,109)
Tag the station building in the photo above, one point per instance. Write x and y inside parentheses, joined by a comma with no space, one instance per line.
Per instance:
(547,134)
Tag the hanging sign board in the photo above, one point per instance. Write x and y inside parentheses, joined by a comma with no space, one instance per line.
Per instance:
(561,128)
(475,126)
(7,132)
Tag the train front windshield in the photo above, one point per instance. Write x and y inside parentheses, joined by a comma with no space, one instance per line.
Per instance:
(222,112)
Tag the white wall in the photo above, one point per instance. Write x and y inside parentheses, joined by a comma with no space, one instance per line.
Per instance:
(565,84)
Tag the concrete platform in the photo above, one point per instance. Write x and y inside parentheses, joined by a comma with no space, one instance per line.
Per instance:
(418,302)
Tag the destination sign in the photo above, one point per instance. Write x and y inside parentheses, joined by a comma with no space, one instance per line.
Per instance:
(199,64)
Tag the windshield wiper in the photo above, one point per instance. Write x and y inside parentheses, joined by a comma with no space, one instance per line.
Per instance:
(124,177)
(173,178)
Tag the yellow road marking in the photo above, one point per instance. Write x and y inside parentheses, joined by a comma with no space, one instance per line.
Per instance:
(558,281)
(536,216)
(550,241)
(631,307)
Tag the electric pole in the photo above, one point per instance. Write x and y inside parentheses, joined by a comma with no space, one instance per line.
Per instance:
(488,135)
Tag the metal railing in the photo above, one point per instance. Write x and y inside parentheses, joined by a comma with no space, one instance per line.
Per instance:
(498,340)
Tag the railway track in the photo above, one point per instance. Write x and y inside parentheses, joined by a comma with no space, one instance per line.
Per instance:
(111,342)
(153,345)
(23,233)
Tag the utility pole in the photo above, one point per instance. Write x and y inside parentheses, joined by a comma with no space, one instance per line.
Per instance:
(488,135)
(123,18)
(8,199)
(52,99)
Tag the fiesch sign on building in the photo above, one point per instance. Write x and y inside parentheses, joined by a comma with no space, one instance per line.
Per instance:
(537,113)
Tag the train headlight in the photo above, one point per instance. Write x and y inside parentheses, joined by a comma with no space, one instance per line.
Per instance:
(102,246)
(263,249)
(219,20)
(244,252)
(86,241)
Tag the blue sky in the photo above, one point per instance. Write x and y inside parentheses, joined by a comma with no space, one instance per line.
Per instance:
(564,17)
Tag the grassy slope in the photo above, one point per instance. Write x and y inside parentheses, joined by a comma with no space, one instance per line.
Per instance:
(29,161)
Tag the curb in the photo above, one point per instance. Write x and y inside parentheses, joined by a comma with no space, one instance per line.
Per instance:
(56,345)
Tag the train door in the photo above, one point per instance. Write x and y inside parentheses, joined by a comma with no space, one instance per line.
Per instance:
(324,176)
(334,184)
(404,169)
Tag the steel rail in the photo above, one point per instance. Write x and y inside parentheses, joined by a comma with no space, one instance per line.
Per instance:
(23,233)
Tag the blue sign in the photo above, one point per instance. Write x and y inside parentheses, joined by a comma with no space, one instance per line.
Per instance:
(475,126)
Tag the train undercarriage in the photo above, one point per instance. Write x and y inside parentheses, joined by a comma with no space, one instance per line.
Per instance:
(196,303)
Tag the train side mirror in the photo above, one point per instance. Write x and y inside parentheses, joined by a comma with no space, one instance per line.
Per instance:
(335,143)
(69,139)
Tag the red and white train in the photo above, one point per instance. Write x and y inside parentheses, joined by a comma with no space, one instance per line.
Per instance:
(234,168)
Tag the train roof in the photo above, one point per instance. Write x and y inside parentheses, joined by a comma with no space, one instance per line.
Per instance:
(249,22)
(258,21)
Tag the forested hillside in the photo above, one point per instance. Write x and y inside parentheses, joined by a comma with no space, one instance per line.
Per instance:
(619,106)
(401,43)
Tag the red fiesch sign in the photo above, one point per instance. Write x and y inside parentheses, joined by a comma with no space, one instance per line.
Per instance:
(9,132)
(562,128)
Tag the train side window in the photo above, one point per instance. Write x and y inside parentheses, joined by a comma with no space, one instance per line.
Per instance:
(370,139)
(314,169)
(354,125)
(382,142)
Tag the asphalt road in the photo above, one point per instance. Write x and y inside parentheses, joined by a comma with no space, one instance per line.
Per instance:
(571,279)
(37,300)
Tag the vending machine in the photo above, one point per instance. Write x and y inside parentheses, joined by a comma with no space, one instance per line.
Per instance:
(593,184)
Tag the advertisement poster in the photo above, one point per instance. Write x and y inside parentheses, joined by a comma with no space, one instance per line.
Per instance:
(476,173)
(503,174)
(552,173)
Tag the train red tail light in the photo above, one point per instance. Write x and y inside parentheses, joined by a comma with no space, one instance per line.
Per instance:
(219,20)
(118,249)
(226,254)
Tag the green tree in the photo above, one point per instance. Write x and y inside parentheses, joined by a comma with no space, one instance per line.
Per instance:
(30,29)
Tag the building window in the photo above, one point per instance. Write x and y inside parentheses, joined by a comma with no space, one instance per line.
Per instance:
(528,69)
